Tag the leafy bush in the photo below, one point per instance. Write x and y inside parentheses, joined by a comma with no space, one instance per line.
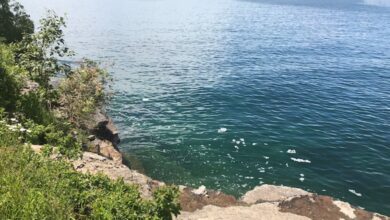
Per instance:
(82,92)
(66,140)
(32,187)
(11,79)
(8,134)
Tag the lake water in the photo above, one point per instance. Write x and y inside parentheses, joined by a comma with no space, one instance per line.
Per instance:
(232,94)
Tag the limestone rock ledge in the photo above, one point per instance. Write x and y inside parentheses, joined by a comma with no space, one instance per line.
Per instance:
(270,202)
(93,163)
(266,211)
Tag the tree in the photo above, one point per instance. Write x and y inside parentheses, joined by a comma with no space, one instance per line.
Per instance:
(38,53)
(14,22)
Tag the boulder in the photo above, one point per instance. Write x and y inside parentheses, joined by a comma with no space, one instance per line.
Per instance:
(105,148)
(272,193)
(103,128)
(108,150)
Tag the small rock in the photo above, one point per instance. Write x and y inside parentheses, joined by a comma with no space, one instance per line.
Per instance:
(80,166)
(91,137)
(200,191)
(182,187)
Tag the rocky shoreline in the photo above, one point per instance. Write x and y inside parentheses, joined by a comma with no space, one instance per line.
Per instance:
(263,202)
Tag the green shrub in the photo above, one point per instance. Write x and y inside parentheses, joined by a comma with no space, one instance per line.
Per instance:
(32,106)
(63,137)
(11,79)
(33,187)
(82,92)
(9,135)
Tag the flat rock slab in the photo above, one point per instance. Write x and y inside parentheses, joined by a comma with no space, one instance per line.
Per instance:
(325,207)
(263,211)
(190,201)
(271,193)
(93,164)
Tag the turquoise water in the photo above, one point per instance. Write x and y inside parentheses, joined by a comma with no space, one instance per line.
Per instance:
(277,77)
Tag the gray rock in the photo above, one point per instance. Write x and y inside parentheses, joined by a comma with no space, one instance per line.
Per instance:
(91,137)
(200,191)
(103,128)
(271,193)
(263,211)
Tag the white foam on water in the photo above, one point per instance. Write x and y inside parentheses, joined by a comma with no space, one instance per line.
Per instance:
(222,130)
(234,141)
(291,151)
(266,157)
(265,144)
(354,192)
(301,179)
(242,139)
(286,164)
(145,99)
(302,175)
(300,160)
(236,147)
(238,142)
(254,144)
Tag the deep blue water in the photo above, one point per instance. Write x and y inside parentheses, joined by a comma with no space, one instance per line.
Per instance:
(306,76)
